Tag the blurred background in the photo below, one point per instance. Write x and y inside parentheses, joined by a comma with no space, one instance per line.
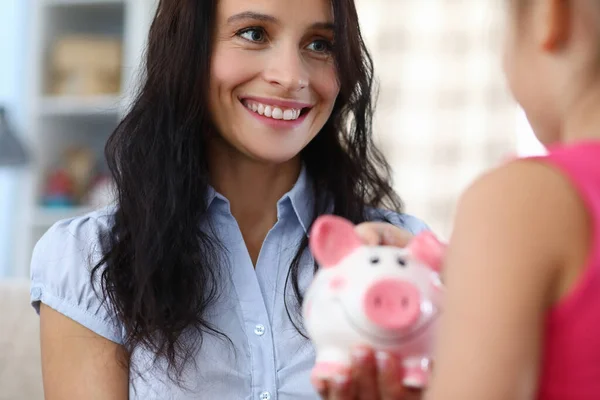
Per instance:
(68,68)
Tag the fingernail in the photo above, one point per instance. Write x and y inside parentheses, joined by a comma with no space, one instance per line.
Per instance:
(359,354)
(389,238)
(340,379)
(382,358)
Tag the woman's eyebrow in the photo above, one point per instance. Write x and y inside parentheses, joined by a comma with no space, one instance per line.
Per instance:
(251,15)
(255,16)
(328,26)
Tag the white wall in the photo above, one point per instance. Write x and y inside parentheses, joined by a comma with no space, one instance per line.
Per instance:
(527,143)
(444,114)
(13,40)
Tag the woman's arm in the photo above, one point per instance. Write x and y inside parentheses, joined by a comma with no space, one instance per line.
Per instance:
(514,232)
(77,363)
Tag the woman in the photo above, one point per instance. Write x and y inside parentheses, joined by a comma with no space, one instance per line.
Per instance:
(254,118)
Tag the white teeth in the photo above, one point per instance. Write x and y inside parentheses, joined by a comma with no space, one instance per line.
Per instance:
(277,113)
(289,114)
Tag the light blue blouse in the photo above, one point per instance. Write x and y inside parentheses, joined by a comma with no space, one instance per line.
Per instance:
(269,360)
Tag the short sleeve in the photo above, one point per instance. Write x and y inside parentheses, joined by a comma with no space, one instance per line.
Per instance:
(405,221)
(61,268)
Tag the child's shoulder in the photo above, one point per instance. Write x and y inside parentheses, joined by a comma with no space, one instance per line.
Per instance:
(523,184)
(527,198)
(523,178)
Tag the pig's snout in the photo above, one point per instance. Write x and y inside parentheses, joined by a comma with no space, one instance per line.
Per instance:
(392,304)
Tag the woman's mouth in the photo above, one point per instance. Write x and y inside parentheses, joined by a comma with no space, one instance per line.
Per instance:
(275,112)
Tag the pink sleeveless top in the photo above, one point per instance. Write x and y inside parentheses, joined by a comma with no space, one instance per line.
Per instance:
(570,367)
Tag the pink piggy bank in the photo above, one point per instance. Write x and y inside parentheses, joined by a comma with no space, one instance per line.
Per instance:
(387,298)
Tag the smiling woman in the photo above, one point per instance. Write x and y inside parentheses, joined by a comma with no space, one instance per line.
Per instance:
(254,119)
(272,77)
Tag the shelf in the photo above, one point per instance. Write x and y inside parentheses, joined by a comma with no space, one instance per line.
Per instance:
(81,2)
(79,106)
(56,122)
(44,217)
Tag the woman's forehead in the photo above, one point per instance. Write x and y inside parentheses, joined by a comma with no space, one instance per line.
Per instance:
(307,12)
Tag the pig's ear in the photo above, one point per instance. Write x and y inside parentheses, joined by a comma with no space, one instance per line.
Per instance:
(331,239)
(426,248)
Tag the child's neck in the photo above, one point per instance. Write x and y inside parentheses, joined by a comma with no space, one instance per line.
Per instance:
(583,119)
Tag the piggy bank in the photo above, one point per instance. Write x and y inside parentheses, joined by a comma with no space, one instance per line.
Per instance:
(386,298)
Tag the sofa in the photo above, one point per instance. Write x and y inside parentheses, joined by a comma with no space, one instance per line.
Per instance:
(20,367)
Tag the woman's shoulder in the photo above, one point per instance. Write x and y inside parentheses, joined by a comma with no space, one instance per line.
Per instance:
(402,220)
(74,235)
(61,272)
(82,226)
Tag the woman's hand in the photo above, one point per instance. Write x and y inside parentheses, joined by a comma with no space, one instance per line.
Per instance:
(372,376)
(382,233)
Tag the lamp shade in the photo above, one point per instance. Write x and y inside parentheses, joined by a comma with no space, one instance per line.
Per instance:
(12,152)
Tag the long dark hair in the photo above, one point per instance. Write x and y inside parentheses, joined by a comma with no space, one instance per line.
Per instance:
(159,271)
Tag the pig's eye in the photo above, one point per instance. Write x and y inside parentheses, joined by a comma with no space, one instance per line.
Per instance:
(374,260)
(401,262)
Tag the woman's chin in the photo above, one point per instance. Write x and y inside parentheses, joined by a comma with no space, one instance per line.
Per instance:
(271,153)
(274,157)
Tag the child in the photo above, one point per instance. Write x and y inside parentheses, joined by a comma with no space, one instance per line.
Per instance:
(522,316)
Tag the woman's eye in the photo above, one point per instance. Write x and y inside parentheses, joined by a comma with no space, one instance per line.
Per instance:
(320,46)
(253,34)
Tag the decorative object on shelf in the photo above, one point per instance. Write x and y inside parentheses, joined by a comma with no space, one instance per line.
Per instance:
(85,65)
(59,189)
(68,183)
(76,182)
(80,162)
(12,151)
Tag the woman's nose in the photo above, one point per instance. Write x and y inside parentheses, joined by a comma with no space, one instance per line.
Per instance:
(287,70)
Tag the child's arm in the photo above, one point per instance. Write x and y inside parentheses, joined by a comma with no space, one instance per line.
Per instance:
(515,230)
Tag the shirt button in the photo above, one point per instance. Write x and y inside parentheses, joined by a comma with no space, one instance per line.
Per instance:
(260,330)
(265,396)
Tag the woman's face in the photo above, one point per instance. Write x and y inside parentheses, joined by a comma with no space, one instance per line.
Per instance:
(273,79)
